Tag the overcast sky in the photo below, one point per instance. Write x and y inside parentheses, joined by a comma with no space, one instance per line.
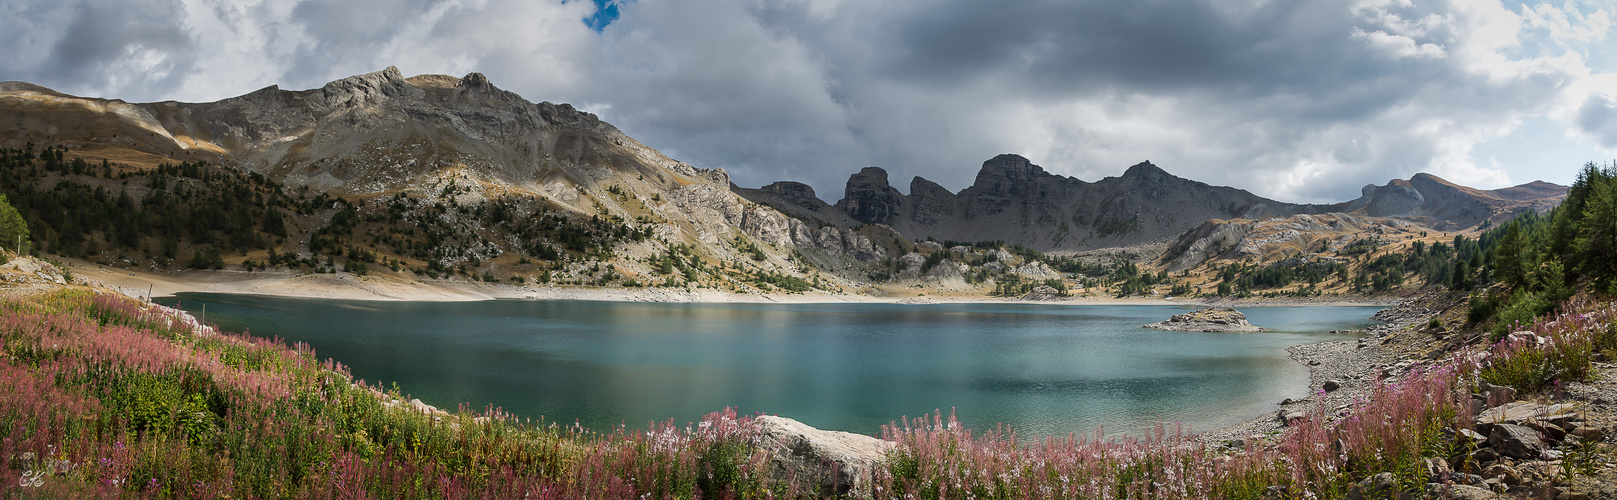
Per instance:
(1299,100)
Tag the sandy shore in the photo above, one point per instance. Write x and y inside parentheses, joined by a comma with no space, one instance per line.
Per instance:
(394,287)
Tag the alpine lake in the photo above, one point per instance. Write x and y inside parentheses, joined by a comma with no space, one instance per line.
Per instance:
(1040,369)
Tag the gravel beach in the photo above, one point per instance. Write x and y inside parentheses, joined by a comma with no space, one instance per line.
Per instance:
(1343,371)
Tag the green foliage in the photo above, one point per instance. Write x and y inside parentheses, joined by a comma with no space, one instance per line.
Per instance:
(1595,242)
(1508,257)
(12,226)
(207,258)
(1522,307)
(933,261)
(72,211)
(1358,247)
(1540,261)
(746,246)
(788,283)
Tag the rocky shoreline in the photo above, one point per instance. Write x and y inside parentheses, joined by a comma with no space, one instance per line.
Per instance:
(1518,443)
(1345,370)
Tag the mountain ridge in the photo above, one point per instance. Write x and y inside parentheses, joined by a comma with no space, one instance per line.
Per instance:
(1016,201)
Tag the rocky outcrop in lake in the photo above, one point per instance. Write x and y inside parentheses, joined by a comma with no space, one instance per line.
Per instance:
(1212,319)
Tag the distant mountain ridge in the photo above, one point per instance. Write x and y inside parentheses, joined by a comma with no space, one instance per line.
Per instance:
(1444,205)
(1018,202)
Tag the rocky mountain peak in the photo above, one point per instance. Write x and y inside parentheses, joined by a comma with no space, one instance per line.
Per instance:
(869,175)
(921,186)
(369,89)
(797,193)
(1146,171)
(1006,172)
(869,198)
(475,81)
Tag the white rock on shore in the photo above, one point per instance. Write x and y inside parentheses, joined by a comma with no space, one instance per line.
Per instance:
(825,463)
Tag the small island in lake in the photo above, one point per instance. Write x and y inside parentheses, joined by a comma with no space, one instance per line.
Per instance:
(1212,319)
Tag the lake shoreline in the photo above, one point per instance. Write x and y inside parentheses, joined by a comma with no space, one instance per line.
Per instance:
(346,286)
(1342,360)
(1353,367)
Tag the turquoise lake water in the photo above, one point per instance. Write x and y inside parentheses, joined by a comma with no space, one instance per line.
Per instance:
(1043,369)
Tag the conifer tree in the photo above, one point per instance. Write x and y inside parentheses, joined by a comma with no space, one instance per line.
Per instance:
(12,227)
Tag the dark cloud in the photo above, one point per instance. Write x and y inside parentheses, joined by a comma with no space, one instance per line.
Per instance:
(1302,100)
(115,47)
(1598,117)
(343,37)
(932,89)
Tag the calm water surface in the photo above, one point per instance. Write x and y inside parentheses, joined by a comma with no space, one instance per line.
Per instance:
(1043,369)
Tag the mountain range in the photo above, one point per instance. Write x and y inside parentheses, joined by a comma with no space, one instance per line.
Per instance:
(380,135)
(1015,201)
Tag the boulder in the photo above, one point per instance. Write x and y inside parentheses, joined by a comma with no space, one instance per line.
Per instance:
(1383,485)
(1459,492)
(1549,430)
(910,265)
(1212,319)
(1331,385)
(817,462)
(1523,411)
(1436,467)
(1516,441)
(1589,434)
(1503,473)
(1496,395)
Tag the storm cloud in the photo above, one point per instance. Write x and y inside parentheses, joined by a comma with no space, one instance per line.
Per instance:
(1298,100)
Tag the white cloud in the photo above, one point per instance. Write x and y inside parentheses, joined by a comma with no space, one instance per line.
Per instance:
(1400,46)
(1568,23)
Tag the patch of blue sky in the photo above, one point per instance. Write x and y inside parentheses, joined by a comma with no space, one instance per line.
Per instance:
(1536,41)
(606,11)
(1539,148)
